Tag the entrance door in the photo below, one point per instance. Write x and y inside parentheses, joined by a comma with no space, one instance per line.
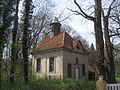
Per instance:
(77,73)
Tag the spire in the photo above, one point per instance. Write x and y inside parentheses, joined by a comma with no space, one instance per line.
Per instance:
(55,24)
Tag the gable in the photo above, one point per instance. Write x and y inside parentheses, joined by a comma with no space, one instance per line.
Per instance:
(77,45)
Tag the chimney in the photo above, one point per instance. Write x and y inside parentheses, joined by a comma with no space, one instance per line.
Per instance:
(55,26)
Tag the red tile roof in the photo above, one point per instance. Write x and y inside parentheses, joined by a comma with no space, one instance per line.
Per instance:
(62,40)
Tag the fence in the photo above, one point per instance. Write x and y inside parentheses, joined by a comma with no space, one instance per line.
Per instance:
(112,86)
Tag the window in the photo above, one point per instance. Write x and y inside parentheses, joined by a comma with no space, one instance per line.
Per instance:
(83,69)
(77,61)
(69,70)
(38,65)
(78,47)
(51,64)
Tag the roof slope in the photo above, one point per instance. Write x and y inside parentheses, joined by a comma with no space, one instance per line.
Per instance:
(62,40)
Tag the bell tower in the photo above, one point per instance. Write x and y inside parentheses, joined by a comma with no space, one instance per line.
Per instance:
(55,25)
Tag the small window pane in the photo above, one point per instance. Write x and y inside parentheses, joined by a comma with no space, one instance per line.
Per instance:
(51,64)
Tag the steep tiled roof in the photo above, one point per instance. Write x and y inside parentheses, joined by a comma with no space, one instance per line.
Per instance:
(75,43)
(61,40)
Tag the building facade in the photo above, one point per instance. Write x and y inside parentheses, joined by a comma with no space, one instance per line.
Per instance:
(60,56)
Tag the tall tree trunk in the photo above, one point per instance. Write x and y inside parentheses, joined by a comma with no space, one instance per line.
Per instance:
(98,33)
(1,54)
(109,51)
(13,47)
(99,38)
(25,38)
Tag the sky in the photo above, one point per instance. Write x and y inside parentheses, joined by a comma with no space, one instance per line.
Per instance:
(84,27)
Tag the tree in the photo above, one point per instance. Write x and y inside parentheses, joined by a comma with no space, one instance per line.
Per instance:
(27,17)
(6,8)
(115,20)
(92,47)
(98,33)
(92,56)
(13,46)
(117,58)
(109,47)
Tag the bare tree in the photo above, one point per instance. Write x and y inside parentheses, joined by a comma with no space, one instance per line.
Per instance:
(109,47)
(98,33)
(40,22)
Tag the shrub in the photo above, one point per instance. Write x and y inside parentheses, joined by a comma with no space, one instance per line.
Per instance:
(53,84)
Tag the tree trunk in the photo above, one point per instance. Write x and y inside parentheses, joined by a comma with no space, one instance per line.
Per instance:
(13,47)
(25,38)
(109,51)
(1,55)
(99,38)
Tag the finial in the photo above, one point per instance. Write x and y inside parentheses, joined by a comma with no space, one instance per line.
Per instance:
(55,20)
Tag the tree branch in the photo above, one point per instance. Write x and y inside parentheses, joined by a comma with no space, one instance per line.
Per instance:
(116,34)
(78,13)
(83,13)
(110,7)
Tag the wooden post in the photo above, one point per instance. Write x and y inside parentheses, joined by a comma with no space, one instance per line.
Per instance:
(101,85)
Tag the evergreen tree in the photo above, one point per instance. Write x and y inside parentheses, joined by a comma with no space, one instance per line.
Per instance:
(92,47)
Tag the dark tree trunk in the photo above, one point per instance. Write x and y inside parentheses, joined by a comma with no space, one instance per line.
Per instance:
(2,42)
(1,54)
(25,38)
(99,38)
(109,51)
(13,47)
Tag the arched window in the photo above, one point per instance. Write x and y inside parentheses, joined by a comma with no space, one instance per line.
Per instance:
(38,65)
(51,64)
(77,60)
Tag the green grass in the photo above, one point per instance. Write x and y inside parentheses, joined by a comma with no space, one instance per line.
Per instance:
(118,79)
(54,84)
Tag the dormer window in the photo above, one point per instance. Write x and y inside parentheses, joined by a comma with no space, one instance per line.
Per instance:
(78,47)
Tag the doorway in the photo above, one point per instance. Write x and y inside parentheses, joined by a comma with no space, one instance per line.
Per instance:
(77,72)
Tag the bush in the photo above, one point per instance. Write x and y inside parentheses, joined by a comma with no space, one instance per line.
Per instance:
(53,84)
